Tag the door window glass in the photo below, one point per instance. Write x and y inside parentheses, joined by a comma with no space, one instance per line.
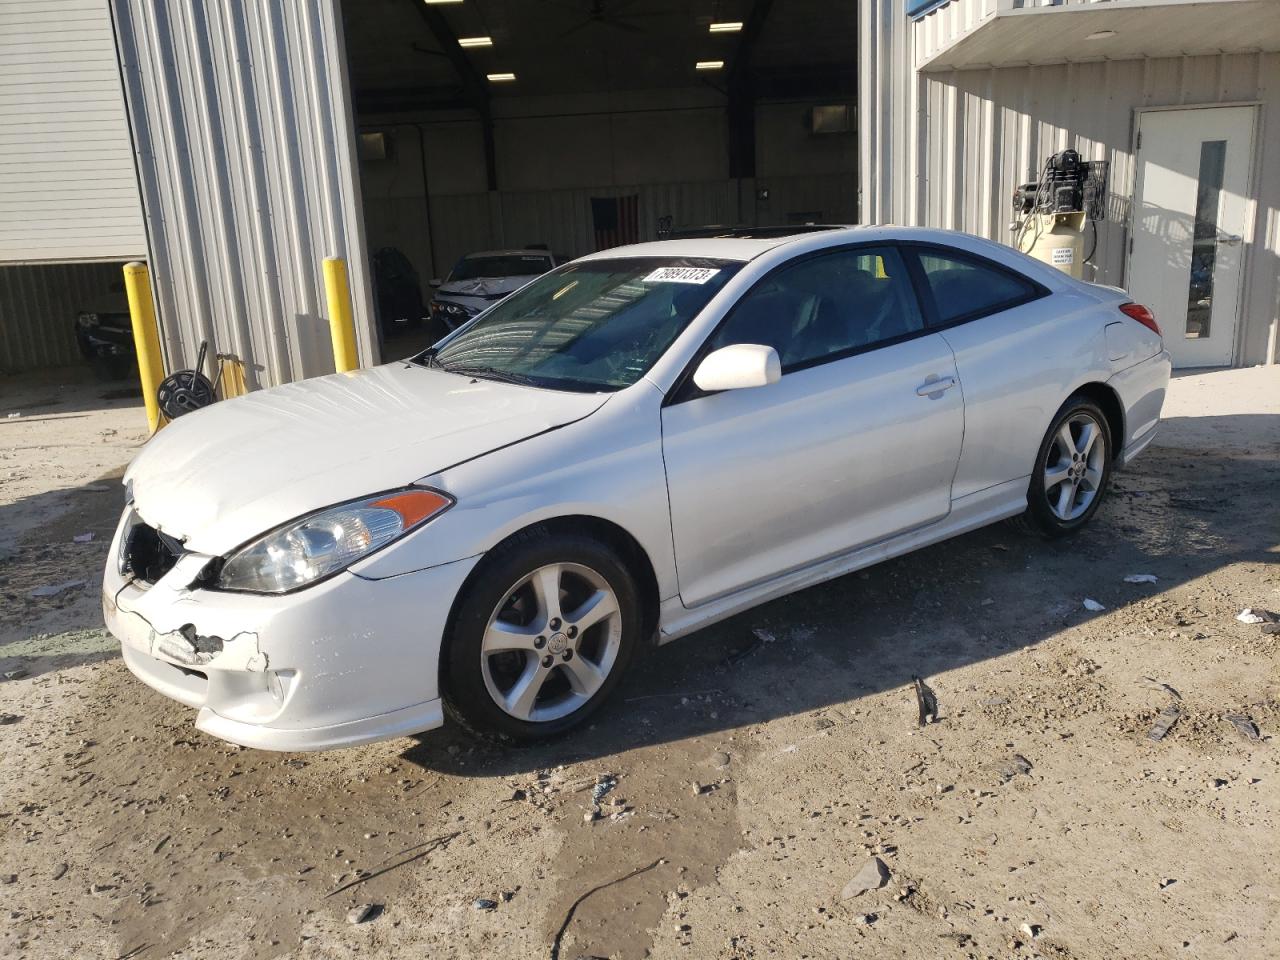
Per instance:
(964,288)
(826,306)
(1204,239)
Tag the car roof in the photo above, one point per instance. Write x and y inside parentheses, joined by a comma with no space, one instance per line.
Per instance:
(740,244)
(507,253)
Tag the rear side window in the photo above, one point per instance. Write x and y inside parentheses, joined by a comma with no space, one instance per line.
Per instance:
(964,289)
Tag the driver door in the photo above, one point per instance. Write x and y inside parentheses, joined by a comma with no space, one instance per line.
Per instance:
(857,442)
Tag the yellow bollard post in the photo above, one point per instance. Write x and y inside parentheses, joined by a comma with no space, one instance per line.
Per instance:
(341,327)
(146,337)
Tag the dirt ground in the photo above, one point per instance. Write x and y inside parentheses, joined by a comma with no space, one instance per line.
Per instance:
(758,764)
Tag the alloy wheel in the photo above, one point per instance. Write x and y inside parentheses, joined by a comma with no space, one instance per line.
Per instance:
(551,642)
(1074,466)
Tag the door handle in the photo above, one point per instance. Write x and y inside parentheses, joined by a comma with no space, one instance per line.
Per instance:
(935,387)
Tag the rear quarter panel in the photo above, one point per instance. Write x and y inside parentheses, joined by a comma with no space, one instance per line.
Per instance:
(1016,369)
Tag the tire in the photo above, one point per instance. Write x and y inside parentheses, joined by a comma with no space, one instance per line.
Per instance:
(506,640)
(1059,509)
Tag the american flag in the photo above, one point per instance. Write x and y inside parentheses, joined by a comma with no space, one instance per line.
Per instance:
(616,220)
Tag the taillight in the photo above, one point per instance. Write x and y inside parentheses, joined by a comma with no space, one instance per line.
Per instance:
(1142,315)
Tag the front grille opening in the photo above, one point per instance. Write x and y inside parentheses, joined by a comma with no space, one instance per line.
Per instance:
(150,554)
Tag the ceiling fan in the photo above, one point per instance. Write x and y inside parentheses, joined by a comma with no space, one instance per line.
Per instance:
(602,14)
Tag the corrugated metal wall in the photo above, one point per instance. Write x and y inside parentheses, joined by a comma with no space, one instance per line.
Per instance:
(947,149)
(38,307)
(67,186)
(241,120)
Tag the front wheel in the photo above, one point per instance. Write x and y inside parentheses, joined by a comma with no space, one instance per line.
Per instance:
(542,635)
(1073,467)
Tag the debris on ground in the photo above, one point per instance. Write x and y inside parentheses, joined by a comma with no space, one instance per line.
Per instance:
(720,759)
(1257,615)
(8,718)
(1141,578)
(1093,605)
(1164,722)
(873,875)
(927,701)
(573,907)
(18,674)
(1015,765)
(53,589)
(83,537)
(1155,684)
(484,903)
(1029,930)
(365,911)
(1248,729)
(604,783)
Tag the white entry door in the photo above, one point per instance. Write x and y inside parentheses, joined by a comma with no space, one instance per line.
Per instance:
(1191,209)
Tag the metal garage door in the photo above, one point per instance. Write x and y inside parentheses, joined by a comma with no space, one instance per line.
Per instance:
(67,185)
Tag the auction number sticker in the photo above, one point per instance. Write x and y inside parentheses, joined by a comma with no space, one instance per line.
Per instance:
(682,275)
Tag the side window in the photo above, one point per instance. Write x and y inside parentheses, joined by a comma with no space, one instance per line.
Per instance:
(964,288)
(826,306)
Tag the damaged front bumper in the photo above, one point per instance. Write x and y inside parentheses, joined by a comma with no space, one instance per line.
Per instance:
(345,662)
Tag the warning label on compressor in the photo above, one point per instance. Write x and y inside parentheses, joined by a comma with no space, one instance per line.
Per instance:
(1064,254)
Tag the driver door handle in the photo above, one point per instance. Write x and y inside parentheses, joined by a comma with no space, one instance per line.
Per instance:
(936,387)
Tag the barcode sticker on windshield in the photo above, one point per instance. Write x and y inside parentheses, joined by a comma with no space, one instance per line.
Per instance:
(681,275)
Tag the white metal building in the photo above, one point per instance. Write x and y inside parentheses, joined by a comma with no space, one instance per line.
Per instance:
(267,136)
(69,209)
(235,144)
(962,100)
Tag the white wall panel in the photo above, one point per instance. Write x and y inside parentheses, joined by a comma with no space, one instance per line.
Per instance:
(67,185)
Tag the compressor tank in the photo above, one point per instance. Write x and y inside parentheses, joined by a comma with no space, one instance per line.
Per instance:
(1056,239)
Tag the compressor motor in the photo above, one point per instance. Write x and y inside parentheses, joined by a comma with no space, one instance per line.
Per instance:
(1050,214)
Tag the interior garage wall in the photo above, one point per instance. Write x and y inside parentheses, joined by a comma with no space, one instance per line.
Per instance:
(428,198)
(246,159)
(947,149)
(38,308)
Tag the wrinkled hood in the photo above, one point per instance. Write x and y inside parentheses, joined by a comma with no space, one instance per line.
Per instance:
(486,287)
(223,475)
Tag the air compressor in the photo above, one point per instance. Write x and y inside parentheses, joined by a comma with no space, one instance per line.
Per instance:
(1051,214)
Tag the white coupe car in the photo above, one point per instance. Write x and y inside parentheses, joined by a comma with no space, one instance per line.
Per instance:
(635,445)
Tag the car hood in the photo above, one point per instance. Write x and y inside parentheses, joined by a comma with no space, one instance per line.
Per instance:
(223,475)
(486,287)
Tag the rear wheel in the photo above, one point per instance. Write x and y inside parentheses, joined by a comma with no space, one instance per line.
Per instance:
(543,634)
(1073,467)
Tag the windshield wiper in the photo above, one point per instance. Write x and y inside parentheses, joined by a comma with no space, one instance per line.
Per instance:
(493,373)
(428,358)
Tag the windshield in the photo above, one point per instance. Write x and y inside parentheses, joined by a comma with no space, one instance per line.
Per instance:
(502,265)
(597,325)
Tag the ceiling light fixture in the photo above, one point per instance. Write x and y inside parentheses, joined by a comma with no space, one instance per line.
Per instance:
(1101,35)
(709,65)
(729,27)
(501,77)
(475,41)
(439,3)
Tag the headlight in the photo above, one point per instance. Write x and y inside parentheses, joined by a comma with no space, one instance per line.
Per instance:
(310,549)
(450,309)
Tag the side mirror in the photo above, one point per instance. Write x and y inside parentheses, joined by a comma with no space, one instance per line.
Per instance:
(738,366)
(435,283)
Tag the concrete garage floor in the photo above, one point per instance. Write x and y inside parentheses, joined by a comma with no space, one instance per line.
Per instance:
(125,833)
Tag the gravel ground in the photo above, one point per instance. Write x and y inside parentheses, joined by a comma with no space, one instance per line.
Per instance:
(749,773)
